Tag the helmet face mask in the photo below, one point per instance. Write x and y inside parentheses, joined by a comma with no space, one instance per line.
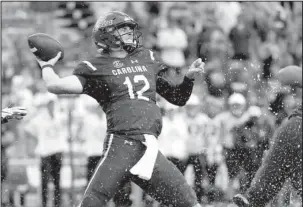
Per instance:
(106,33)
(128,44)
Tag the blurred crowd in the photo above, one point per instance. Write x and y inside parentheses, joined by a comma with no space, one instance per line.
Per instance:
(217,140)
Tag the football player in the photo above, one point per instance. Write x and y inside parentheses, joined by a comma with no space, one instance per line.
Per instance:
(124,79)
(9,113)
(284,159)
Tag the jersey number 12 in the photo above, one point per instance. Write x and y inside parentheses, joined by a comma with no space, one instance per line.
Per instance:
(137,79)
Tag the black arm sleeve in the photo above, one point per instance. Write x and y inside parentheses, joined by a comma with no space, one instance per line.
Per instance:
(177,95)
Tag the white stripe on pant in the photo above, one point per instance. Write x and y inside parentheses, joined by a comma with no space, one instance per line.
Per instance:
(101,162)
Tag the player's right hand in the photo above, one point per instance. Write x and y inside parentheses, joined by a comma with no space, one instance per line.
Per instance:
(50,62)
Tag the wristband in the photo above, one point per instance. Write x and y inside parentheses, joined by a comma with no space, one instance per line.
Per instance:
(190,79)
(47,65)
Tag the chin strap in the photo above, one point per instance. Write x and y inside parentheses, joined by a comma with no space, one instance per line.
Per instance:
(128,48)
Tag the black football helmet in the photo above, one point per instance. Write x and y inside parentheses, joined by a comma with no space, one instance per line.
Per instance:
(105,27)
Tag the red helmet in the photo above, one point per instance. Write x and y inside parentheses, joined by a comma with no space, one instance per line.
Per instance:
(103,32)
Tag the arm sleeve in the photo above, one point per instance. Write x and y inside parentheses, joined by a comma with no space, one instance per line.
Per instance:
(177,95)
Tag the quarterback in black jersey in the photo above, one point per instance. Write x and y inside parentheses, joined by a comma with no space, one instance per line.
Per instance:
(124,78)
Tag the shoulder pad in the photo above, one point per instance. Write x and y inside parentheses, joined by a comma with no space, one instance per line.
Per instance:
(87,67)
(154,56)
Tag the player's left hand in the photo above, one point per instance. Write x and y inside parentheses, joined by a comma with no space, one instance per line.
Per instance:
(51,62)
(14,112)
(196,69)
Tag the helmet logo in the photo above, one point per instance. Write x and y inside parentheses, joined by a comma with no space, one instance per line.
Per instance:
(106,23)
(127,18)
(117,64)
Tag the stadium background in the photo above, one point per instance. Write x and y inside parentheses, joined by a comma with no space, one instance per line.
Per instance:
(272,39)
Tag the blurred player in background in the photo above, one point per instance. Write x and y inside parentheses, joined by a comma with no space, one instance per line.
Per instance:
(284,159)
(47,127)
(252,139)
(237,115)
(124,79)
(7,140)
(173,137)
(213,152)
(172,140)
(195,141)
(92,131)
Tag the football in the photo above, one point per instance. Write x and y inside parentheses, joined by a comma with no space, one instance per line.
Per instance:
(44,47)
